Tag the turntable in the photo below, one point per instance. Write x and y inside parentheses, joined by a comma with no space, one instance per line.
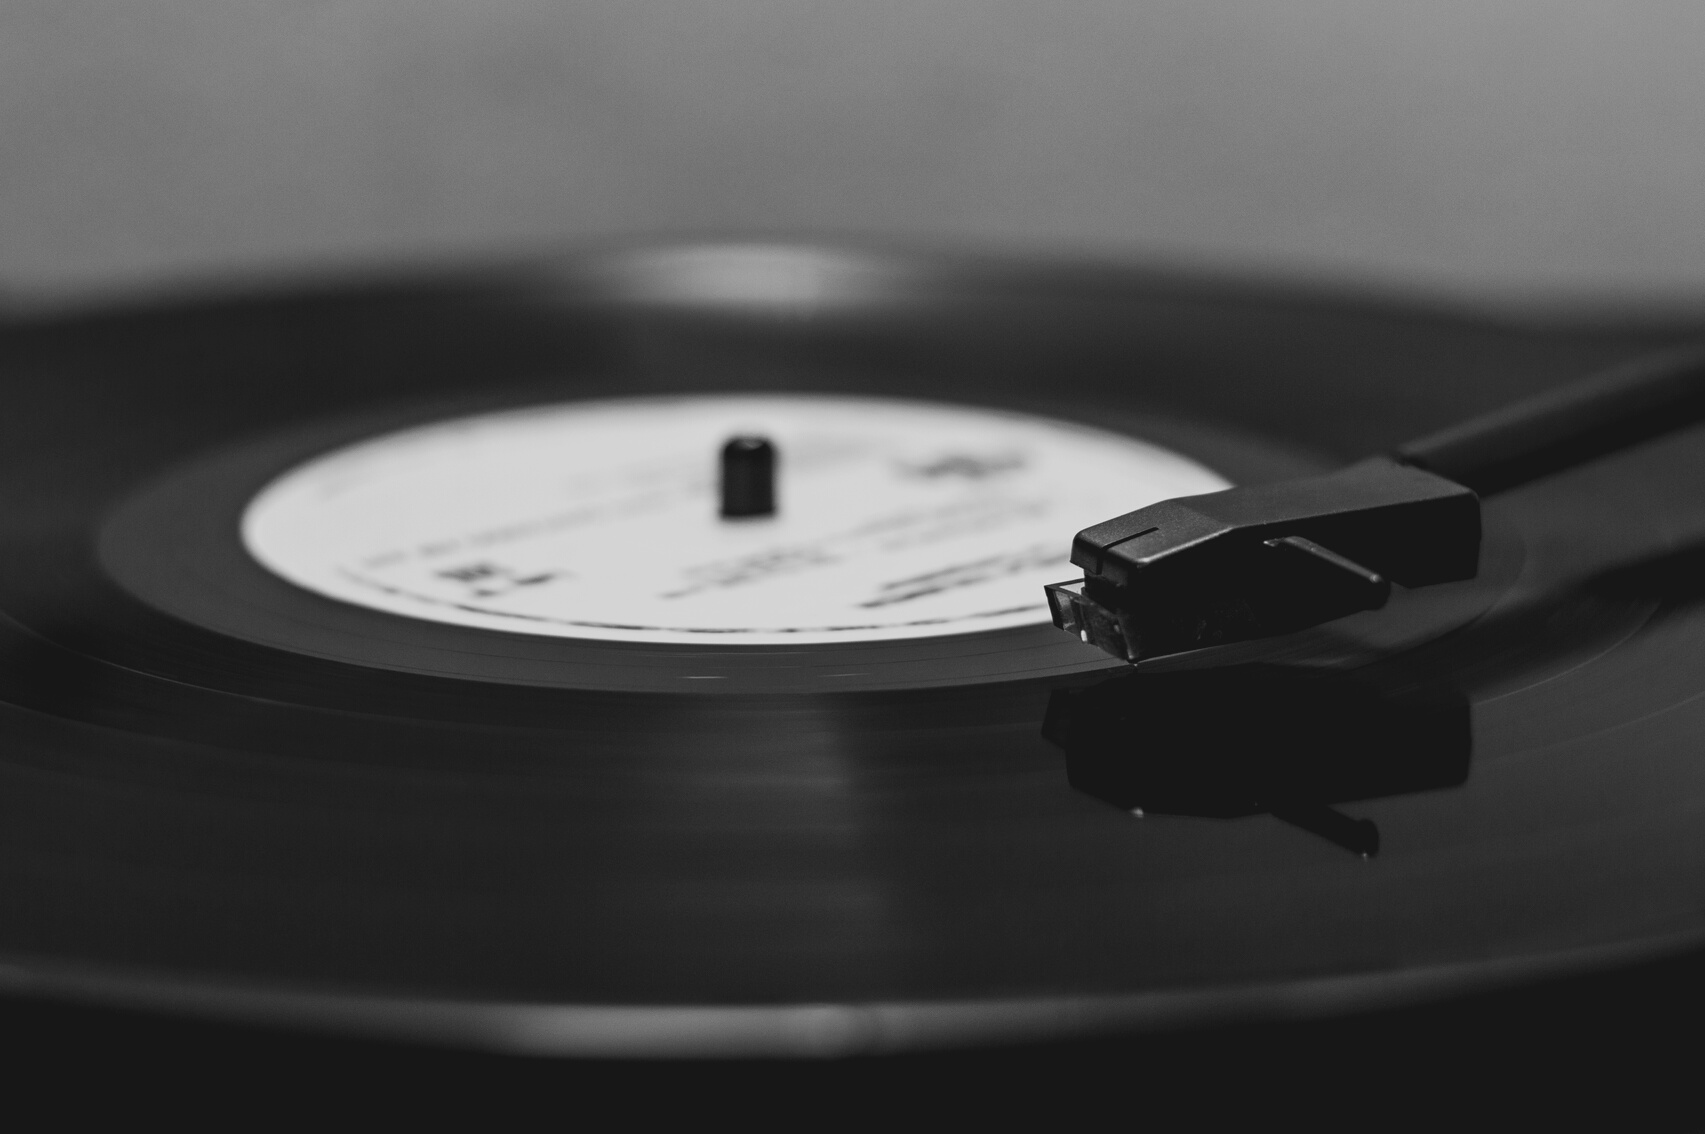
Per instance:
(645,656)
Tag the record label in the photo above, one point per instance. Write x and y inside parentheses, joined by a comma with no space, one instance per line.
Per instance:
(599,520)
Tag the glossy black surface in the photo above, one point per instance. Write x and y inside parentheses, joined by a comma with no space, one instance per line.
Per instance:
(199,804)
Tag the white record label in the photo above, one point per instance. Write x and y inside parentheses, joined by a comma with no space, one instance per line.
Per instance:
(896,519)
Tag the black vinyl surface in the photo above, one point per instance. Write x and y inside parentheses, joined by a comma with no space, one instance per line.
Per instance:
(221,796)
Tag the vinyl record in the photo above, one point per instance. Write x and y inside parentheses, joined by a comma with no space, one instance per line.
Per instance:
(333,695)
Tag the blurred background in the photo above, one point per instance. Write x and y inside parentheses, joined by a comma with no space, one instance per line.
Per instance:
(1508,151)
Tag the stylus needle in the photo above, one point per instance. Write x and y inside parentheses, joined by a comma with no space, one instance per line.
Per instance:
(1261,560)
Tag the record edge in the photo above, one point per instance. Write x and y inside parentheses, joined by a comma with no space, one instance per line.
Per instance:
(799,1031)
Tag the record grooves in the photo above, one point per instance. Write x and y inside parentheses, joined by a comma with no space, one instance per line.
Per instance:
(225,794)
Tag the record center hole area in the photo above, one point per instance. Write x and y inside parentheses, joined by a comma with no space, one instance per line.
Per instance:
(893,519)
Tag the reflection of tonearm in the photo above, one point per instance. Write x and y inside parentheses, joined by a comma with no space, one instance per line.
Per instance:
(1244,740)
(1261,560)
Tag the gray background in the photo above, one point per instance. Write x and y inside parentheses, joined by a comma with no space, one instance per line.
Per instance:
(1500,149)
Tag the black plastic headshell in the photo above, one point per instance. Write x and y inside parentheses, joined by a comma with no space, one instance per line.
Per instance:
(1266,559)
(1261,560)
